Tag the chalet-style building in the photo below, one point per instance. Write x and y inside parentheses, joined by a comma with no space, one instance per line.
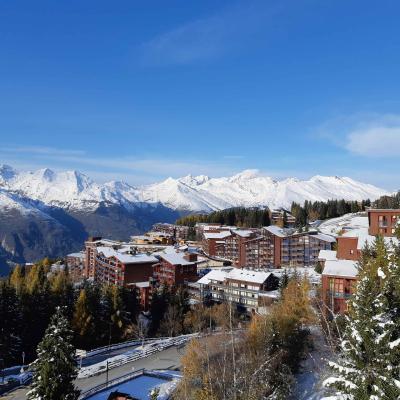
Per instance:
(243,287)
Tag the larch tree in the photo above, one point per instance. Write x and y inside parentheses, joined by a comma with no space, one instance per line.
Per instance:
(55,367)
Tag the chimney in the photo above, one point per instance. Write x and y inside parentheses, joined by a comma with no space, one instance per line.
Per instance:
(191,257)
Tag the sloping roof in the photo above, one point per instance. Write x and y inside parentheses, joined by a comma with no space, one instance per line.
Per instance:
(345,268)
(126,258)
(327,255)
(214,275)
(217,235)
(365,238)
(176,259)
(248,275)
(243,233)
(275,230)
(325,238)
(77,255)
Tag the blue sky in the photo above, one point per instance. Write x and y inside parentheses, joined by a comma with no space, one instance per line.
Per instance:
(143,90)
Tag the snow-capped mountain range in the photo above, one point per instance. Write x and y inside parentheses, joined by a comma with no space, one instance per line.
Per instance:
(47,213)
(250,188)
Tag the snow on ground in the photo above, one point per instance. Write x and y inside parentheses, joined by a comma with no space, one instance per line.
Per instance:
(139,388)
(309,271)
(313,370)
(348,221)
(130,355)
(102,365)
(15,373)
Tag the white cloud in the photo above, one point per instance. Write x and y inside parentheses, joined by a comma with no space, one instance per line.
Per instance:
(378,141)
(46,151)
(365,134)
(210,37)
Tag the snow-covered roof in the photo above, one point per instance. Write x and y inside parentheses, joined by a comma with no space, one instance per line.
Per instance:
(345,268)
(276,230)
(325,238)
(243,233)
(80,255)
(248,275)
(365,238)
(217,235)
(327,255)
(176,258)
(345,222)
(218,275)
(126,258)
(142,284)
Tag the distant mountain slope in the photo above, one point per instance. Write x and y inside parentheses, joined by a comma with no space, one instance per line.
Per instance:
(48,213)
(252,189)
(71,189)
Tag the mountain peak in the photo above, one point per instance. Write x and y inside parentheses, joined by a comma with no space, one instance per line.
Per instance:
(7,172)
(249,188)
(247,174)
(46,173)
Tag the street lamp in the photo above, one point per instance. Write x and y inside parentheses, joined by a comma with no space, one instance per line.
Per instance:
(23,362)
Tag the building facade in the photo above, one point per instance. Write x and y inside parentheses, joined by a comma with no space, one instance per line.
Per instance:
(244,288)
(339,275)
(176,268)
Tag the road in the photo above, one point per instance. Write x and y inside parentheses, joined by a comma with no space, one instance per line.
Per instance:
(108,354)
(166,359)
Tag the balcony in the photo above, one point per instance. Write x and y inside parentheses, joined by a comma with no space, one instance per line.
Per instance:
(339,295)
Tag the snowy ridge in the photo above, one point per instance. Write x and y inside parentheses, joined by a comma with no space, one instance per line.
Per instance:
(250,188)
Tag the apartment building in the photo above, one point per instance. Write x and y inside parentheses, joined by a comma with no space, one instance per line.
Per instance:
(214,243)
(75,263)
(383,222)
(270,247)
(153,238)
(339,275)
(243,287)
(282,218)
(122,267)
(179,232)
(285,247)
(338,282)
(175,268)
(235,246)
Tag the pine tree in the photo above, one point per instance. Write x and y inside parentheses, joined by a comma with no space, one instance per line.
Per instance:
(10,323)
(369,363)
(55,368)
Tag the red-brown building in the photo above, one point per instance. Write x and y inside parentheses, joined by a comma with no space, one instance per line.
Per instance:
(382,222)
(270,247)
(176,268)
(338,282)
(122,268)
(75,263)
(339,275)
